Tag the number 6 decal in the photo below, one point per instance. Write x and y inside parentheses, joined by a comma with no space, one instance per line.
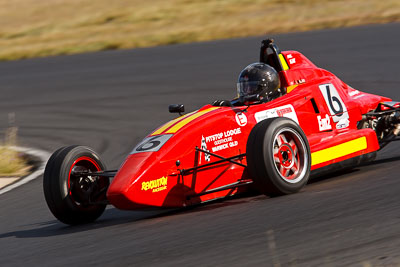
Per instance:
(151,144)
(337,108)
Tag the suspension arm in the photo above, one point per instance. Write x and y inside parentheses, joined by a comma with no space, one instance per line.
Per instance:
(223,159)
(109,174)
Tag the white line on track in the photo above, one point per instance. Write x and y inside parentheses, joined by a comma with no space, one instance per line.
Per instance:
(42,155)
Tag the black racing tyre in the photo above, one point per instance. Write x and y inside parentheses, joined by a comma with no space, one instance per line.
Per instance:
(71,198)
(278,157)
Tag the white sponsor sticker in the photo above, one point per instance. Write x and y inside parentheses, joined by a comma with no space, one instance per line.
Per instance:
(343,123)
(241,119)
(358,96)
(324,123)
(226,136)
(353,93)
(222,140)
(283,111)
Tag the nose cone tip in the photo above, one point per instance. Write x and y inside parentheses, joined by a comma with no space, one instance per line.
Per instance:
(121,191)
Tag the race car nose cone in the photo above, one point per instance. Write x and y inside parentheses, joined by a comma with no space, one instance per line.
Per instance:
(122,188)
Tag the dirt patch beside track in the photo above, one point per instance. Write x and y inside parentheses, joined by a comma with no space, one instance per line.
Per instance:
(12,164)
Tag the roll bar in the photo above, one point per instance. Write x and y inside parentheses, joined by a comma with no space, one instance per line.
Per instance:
(271,58)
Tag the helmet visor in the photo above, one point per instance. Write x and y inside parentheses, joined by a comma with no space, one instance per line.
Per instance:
(248,88)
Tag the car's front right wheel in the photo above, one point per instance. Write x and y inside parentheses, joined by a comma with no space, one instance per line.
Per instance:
(278,157)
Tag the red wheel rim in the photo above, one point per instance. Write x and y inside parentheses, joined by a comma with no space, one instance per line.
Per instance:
(290,157)
(80,164)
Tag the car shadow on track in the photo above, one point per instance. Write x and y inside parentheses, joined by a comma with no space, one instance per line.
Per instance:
(56,228)
(114,216)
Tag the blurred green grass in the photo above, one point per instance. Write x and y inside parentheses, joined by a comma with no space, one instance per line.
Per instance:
(31,28)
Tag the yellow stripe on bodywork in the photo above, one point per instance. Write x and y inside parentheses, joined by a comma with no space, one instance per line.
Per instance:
(291,88)
(170,123)
(283,62)
(185,121)
(338,151)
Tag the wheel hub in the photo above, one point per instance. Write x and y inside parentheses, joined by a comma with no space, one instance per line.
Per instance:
(288,155)
(86,184)
(285,155)
(82,186)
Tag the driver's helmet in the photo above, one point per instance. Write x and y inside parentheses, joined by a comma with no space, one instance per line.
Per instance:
(259,79)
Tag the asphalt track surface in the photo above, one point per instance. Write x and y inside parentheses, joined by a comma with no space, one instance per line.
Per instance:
(111,100)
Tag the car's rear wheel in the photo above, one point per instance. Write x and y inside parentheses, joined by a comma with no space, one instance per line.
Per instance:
(72,196)
(278,157)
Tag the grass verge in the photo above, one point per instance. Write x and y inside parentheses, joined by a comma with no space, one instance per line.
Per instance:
(12,163)
(31,28)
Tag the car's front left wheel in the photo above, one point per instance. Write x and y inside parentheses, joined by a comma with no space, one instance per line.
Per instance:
(72,194)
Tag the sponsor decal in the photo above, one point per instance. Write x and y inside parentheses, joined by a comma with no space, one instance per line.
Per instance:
(326,138)
(324,123)
(283,111)
(241,119)
(358,96)
(336,106)
(343,123)
(216,138)
(204,147)
(301,81)
(224,146)
(155,185)
(353,93)
(223,140)
(292,60)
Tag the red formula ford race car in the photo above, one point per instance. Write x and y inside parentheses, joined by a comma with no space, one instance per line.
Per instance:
(290,119)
